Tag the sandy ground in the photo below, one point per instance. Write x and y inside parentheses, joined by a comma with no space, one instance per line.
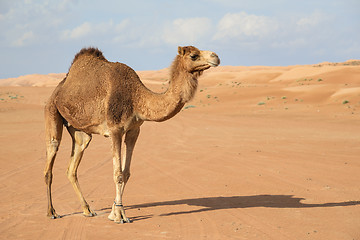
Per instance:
(260,153)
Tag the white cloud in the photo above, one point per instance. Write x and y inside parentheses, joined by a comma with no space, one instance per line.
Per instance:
(189,30)
(243,25)
(78,32)
(64,5)
(122,33)
(23,39)
(311,21)
(305,32)
(87,29)
(122,25)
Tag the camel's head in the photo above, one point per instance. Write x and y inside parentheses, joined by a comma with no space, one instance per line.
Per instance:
(195,60)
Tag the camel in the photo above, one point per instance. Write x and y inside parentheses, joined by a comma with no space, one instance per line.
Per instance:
(108,98)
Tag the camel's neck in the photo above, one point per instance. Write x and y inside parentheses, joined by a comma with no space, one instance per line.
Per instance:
(160,107)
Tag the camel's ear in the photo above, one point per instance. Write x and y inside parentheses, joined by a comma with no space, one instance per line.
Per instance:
(182,50)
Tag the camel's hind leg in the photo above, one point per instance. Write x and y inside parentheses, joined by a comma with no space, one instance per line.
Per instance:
(53,134)
(80,142)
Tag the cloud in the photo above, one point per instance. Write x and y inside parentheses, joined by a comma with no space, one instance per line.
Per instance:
(23,39)
(64,5)
(78,32)
(122,32)
(186,30)
(23,21)
(242,26)
(315,19)
(87,29)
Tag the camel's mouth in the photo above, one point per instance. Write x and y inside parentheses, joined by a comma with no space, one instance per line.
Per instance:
(214,60)
(200,68)
(213,64)
(206,66)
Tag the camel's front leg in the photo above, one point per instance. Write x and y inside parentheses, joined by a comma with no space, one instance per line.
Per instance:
(118,212)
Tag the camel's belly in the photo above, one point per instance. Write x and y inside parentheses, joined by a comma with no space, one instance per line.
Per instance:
(101,129)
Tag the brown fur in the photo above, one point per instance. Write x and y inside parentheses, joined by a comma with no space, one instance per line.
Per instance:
(95,52)
(102,97)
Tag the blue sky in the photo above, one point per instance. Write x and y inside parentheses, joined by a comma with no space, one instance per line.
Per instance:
(42,36)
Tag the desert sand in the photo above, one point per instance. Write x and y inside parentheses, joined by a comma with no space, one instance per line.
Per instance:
(259,153)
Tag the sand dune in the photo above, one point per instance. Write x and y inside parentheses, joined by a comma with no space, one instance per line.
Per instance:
(34,80)
(260,153)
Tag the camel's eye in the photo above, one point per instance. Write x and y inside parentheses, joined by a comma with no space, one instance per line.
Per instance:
(194,57)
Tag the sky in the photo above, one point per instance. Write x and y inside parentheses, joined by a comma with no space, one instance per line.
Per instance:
(42,36)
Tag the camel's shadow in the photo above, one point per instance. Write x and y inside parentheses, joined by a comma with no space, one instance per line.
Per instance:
(234,202)
(218,203)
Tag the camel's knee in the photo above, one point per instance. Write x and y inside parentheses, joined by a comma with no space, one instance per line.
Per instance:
(122,176)
(53,127)
(52,146)
(126,175)
(118,178)
(72,176)
(54,143)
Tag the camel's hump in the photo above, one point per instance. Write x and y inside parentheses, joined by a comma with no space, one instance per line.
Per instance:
(90,51)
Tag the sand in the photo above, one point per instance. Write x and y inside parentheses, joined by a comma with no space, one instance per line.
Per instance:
(260,153)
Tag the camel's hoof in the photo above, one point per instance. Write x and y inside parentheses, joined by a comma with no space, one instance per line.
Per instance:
(91,214)
(122,220)
(126,220)
(119,221)
(54,216)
